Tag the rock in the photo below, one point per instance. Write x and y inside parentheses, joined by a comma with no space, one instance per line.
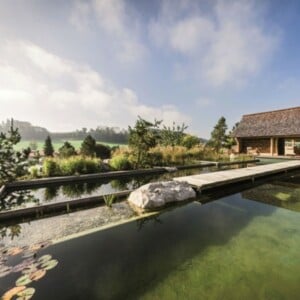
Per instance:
(157,194)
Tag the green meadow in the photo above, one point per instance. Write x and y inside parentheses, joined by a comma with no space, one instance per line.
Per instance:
(57,144)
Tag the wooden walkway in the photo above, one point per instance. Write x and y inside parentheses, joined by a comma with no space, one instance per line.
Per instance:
(221,178)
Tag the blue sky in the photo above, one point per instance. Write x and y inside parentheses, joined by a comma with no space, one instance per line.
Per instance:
(72,64)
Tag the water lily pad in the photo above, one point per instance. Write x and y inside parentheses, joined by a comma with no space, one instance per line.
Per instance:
(26,294)
(43,259)
(49,264)
(12,292)
(30,269)
(23,280)
(37,275)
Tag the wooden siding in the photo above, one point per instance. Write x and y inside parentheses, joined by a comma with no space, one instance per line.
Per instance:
(263,145)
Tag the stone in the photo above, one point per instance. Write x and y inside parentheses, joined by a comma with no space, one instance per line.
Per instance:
(158,194)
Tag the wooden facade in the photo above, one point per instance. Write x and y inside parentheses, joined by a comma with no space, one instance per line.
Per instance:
(270,133)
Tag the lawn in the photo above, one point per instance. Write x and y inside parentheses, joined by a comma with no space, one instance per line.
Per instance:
(57,144)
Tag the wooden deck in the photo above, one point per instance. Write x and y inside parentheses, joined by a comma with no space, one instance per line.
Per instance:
(222,178)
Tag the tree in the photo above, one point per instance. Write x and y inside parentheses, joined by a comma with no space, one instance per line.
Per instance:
(190,141)
(230,140)
(102,151)
(48,147)
(172,136)
(143,136)
(66,150)
(218,135)
(88,146)
(12,163)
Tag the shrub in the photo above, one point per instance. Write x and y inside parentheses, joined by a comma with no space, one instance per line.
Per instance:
(66,150)
(71,166)
(51,168)
(120,162)
(102,151)
(155,157)
(34,171)
(79,165)
(88,146)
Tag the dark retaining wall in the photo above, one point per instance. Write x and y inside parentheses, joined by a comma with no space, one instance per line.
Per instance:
(114,175)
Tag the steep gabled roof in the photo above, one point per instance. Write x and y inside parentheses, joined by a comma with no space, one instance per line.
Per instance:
(284,122)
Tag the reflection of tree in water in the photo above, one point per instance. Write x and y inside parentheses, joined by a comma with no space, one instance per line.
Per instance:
(142,222)
(121,184)
(130,183)
(78,189)
(51,192)
(16,199)
(10,231)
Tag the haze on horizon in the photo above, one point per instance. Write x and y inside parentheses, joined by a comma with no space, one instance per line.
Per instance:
(71,64)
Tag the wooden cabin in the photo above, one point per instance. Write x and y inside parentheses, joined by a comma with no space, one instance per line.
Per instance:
(269,133)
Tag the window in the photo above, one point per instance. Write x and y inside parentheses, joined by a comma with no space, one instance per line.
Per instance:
(288,143)
(297,143)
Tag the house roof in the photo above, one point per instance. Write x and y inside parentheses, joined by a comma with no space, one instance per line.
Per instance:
(284,122)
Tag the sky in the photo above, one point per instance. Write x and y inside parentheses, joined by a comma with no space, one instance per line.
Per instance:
(68,64)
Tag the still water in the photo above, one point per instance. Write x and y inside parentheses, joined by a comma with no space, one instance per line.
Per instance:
(64,192)
(236,247)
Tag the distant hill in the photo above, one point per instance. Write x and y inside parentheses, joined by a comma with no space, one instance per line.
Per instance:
(27,131)
(31,132)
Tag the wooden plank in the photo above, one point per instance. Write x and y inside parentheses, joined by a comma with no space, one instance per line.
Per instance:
(216,179)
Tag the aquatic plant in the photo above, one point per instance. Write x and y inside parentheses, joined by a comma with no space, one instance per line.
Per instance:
(109,199)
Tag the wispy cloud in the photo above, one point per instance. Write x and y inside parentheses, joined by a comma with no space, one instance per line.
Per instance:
(62,94)
(117,21)
(225,45)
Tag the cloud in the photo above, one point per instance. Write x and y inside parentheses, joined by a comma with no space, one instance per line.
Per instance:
(117,22)
(60,94)
(225,45)
(204,102)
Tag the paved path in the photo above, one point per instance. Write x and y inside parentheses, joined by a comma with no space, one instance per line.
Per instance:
(221,178)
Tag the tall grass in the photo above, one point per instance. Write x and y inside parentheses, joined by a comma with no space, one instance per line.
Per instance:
(73,165)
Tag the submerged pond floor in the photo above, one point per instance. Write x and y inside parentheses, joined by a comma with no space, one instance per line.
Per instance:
(230,248)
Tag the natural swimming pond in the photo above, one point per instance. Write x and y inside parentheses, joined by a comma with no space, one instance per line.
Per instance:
(230,248)
(64,192)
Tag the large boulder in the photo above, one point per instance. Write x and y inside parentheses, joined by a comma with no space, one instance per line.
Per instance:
(157,194)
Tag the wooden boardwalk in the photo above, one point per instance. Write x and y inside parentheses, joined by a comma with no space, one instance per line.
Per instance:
(221,178)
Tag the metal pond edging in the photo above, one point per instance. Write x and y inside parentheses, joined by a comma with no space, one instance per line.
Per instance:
(38,211)
(113,175)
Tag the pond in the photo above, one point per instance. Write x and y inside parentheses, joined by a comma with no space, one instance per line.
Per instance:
(64,192)
(235,247)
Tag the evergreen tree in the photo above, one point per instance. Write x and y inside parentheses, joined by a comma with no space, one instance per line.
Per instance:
(218,135)
(67,150)
(48,147)
(88,146)
(102,151)
(12,163)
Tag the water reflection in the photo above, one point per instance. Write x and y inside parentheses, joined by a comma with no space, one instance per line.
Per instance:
(11,231)
(17,199)
(282,194)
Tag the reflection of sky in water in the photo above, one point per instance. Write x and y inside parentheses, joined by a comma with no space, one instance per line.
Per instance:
(231,248)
